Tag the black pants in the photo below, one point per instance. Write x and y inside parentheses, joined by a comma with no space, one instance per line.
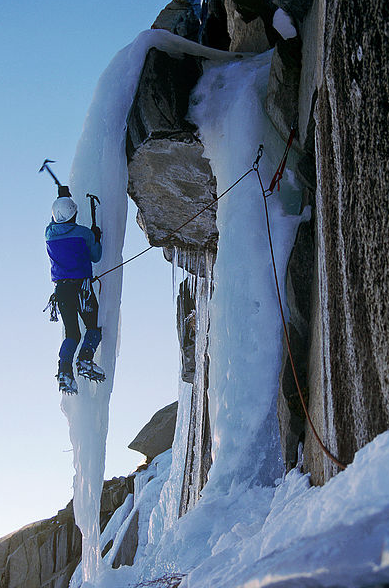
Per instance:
(68,294)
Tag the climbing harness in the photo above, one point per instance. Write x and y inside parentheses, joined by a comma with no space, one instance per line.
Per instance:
(83,297)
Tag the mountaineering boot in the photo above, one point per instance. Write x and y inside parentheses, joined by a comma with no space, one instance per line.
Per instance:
(88,369)
(67,383)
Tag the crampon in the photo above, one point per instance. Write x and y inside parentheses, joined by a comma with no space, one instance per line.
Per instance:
(67,383)
(89,370)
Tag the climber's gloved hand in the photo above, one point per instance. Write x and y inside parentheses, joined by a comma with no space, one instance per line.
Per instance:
(97,233)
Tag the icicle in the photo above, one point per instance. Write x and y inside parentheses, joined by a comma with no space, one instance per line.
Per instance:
(174,273)
(184,261)
(192,284)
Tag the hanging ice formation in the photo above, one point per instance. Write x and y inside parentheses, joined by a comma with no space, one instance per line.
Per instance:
(100,167)
(245,334)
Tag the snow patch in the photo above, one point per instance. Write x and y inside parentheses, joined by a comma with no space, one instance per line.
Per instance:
(283,23)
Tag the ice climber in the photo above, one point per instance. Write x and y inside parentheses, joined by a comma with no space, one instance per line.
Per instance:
(72,248)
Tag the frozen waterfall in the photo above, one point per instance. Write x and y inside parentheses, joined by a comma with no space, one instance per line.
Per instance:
(100,167)
(248,526)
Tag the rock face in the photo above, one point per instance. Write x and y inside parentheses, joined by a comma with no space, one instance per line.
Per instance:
(129,545)
(114,493)
(284,81)
(245,36)
(179,17)
(186,328)
(169,179)
(42,554)
(45,554)
(214,31)
(353,174)
(299,279)
(157,436)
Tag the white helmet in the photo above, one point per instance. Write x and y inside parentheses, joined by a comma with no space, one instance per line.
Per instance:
(63,209)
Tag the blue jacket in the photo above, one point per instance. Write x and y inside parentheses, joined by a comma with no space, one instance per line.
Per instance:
(71,249)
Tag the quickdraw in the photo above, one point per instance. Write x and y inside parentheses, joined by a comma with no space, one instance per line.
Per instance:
(53,306)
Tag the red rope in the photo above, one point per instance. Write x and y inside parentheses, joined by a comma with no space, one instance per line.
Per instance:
(341,465)
(265,193)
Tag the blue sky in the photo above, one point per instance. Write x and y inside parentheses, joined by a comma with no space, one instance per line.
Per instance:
(51,56)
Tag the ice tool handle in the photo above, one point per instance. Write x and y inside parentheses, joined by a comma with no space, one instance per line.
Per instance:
(47,168)
(93,200)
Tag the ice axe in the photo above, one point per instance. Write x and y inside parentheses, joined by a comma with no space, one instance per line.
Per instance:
(93,200)
(47,168)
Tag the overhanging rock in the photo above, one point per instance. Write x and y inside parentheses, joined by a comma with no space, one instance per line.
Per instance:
(157,436)
(169,179)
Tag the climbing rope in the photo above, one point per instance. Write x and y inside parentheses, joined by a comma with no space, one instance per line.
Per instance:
(265,193)
(97,278)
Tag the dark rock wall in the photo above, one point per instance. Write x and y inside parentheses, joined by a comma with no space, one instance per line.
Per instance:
(161,102)
(213,32)
(129,545)
(291,415)
(283,87)
(186,328)
(353,171)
